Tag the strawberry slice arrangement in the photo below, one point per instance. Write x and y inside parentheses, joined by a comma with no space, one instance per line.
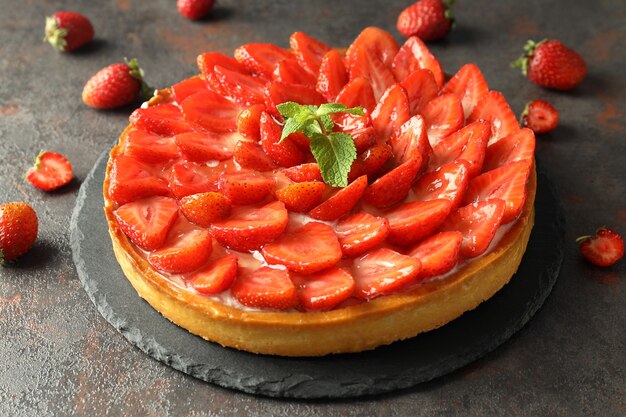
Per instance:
(310,179)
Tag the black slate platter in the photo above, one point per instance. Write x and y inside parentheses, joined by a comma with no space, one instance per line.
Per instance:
(400,365)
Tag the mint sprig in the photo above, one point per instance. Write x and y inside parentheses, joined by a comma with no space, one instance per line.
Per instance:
(333,151)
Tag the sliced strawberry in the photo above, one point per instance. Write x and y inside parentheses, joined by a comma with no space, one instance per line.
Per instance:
(468,143)
(540,116)
(469,85)
(449,181)
(208,61)
(518,146)
(411,222)
(147,221)
(410,141)
(203,146)
(341,202)
(250,155)
(421,88)
(394,186)
(245,187)
(438,254)
(149,147)
(443,116)
(333,75)
(261,58)
(370,163)
(277,93)
(248,228)
(377,42)
(358,92)
(308,51)
(216,277)
(186,178)
(383,271)
(302,196)
(266,288)
(304,172)
(324,290)
(493,108)
(414,55)
(249,122)
(205,208)
(242,88)
(365,64)
(359,127)
(183,252)
(302,141)
(309,249)
(391,112)
(284,153)
(188,87)
(603,249)
(361,232)
(131,180)
(162,119)
(478,223)
(290,72)
(507,183)
(51,171)
(210,111)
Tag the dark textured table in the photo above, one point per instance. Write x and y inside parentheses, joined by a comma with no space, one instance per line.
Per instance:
(58,356)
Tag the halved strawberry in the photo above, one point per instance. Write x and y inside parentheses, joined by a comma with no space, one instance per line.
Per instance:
(364,64)
(261,58)
(324,290)
(284,153)
(507,183)
(518,146)
(383,271)
(248,228)
(266,288)
(370,163)
(184,252)
(414,55)
(147,221)
(277,93)
(308,51)
(468,143)
(478,223)
(302,196)
(162,119)
(411,222)
(188,87)
(51,171)
(203,146)
(242,88)
(410,141)
(361,232)
(208,61)
(210,111)
(290,72)
(449,181)
(358,92)
(309,249)
(245,187)
(391,112)
(540,116)
(394,186)
(186,178)
(341,202)
(438,254)
(131,180)
(603,249)
(249,122)
(216,277)
(359,127)
(250,155)
(333,75)
(149,147)
(304,172)
(493,108)
(377,42)
(443,116)
(421,88)
(469,85)
(205,208)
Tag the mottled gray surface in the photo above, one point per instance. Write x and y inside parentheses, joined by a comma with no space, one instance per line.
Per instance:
(60,357)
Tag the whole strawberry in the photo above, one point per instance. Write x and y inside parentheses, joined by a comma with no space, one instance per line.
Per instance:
(18,230)
(540,116)
(551,64)
(603,249)
(429,20)
(115,86)
(67,31)
(195,9)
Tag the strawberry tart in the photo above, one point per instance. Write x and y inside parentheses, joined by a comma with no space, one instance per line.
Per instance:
(309,201)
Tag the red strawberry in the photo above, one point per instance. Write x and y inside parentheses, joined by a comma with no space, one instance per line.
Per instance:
(203,146)
(242,88)
(411,222)
(468,143)
(324,290)
(394,186)
(115,86)
(603,249)
(370,162)
(507,183)
(493,108)
(68,31)
(377,42)
(186,178)
(277,93)
(551,64)
(540,116)
(391,112)
(290,72)
(469,85)
(302,196)
(421,88)
(478,223)
(429,20)
(309,51)
(205,208)
(51,171)
(361,232)
(449,181)
(249,122)
(131,180)
(188,87)
(261,58)
(266,288)
(284,153)
(359,127)
(163,119)
(410,141)
(414,55)
(211,111)
(216,277)
(341,202)
(443,116)
(358,92)
(383,271)
(364,64)
(195,9)
(304,172)
(309,249)
(245,187)
(183,252)
(146,222)
(250,155)
(248,229)
(518,146)
(18,230)
(149,147)
(333,75)
(207,63)
(438,254)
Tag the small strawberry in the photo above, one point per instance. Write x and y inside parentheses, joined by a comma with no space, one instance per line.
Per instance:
(324,290)
(370,163)
(439,253)
(67,31)
(391,112)
(245,187)
(413,55)
(394,186)
(51,171)
(183,253)
(250,155)
(551,64)
(216,277)
(302,196)
(18,230)
(309,51)
(603,249)
(203,146)
(304,172)
(205,208)
(411,222)
(341,202)
(115,86)
(266,288)
(249,122)
(383,271)
(146,222)
(540,116)
(284,153)
(427,19)
(361,232)
(195,9)
(332,75)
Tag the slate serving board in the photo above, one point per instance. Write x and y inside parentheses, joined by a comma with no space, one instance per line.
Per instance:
(400,365)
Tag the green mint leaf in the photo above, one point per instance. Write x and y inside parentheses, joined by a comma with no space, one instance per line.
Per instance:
(327,122)
(290,109)
(334,155)
(312,130)
(358,111)
(332,108)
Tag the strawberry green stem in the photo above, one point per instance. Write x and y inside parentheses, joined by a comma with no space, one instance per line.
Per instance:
(55,35)
(136,72)
(529,50)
